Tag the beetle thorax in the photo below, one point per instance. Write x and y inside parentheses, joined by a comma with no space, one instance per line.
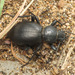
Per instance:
(50,34)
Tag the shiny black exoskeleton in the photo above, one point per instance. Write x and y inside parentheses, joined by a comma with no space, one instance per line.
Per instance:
(26,33)
(30,33)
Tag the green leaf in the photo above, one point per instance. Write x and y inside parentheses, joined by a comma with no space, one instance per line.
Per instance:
(1,6)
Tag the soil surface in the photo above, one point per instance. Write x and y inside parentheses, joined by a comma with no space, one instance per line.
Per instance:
(46,61)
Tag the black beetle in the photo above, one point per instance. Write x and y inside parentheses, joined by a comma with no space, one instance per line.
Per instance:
(30,33)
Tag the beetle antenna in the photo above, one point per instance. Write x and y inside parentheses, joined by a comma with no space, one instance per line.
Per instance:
(70,32)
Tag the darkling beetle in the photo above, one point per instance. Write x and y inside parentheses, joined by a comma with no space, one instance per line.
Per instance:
(31,33)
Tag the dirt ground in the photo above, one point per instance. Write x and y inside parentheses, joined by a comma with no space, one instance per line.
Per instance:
(47,61)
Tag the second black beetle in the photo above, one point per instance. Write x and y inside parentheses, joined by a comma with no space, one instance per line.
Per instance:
(31,33)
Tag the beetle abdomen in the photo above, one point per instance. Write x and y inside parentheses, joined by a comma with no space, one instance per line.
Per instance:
(26,33)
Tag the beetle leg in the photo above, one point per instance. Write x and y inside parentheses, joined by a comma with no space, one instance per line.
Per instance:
(18,16)
(54,23)
(27,48)
(53,47)
(56,48)
(33,18)
(35,51)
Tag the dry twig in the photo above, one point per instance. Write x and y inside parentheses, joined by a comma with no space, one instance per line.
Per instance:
(14,54)
(68,54)
(67,58)
(10,25)
(3,54)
